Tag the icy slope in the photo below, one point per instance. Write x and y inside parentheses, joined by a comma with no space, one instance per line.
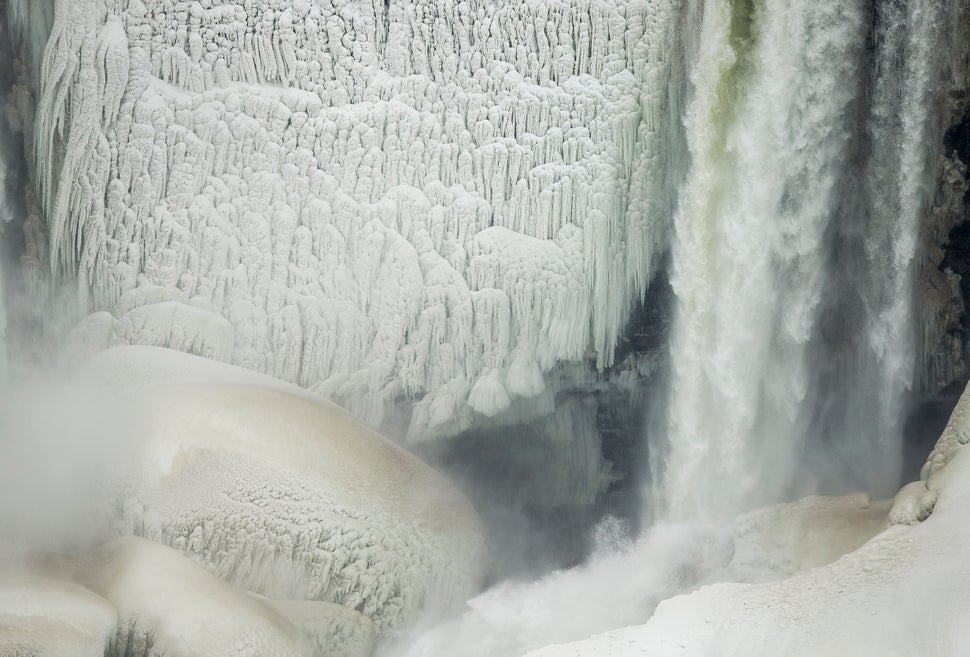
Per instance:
(383,200)
(284,496)
(899,594)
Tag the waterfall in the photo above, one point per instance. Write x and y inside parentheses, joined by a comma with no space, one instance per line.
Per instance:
(792,275)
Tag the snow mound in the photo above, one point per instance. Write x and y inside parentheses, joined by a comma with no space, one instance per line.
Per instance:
(781,540)
(285,496)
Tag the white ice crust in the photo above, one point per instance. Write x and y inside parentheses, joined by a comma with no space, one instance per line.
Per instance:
(169,606)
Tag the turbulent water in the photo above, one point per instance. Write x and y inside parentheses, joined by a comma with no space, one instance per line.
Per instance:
(792,270)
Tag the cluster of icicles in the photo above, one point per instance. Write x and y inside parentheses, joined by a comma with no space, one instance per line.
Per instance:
(378,204)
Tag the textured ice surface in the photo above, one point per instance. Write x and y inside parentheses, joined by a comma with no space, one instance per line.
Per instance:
(381,201)
(285,496)
(330,629)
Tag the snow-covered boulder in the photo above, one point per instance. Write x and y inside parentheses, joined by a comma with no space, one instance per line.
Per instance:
(284,495)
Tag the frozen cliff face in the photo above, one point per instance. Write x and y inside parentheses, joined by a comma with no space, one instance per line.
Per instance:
(377,201)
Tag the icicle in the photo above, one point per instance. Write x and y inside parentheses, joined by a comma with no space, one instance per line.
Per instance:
(475,217)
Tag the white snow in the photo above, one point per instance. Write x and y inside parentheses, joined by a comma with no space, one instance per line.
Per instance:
(778,541)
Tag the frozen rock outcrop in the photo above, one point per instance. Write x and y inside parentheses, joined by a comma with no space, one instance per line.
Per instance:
(169,606)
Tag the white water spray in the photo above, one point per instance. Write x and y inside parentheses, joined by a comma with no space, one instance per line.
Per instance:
(773,84)
(898,186)
(794,248)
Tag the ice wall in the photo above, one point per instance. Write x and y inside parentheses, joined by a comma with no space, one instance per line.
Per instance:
(380,201)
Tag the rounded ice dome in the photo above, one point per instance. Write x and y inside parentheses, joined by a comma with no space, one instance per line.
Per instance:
(287,496)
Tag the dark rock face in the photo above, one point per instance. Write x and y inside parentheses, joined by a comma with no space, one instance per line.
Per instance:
(544,486)
(942,291)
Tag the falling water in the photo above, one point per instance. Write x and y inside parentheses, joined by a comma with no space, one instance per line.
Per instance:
(894,192)
(769,253)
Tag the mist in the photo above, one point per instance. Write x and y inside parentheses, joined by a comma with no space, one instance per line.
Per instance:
(621,584)
(65,447)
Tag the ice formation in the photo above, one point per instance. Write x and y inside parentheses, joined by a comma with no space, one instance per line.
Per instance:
(137,597)
(284,495)
(385,201)
(423,210)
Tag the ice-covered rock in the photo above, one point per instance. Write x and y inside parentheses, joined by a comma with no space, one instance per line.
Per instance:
(330,629)
(912,504)
(171,607)
(287,496)
(778,541)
